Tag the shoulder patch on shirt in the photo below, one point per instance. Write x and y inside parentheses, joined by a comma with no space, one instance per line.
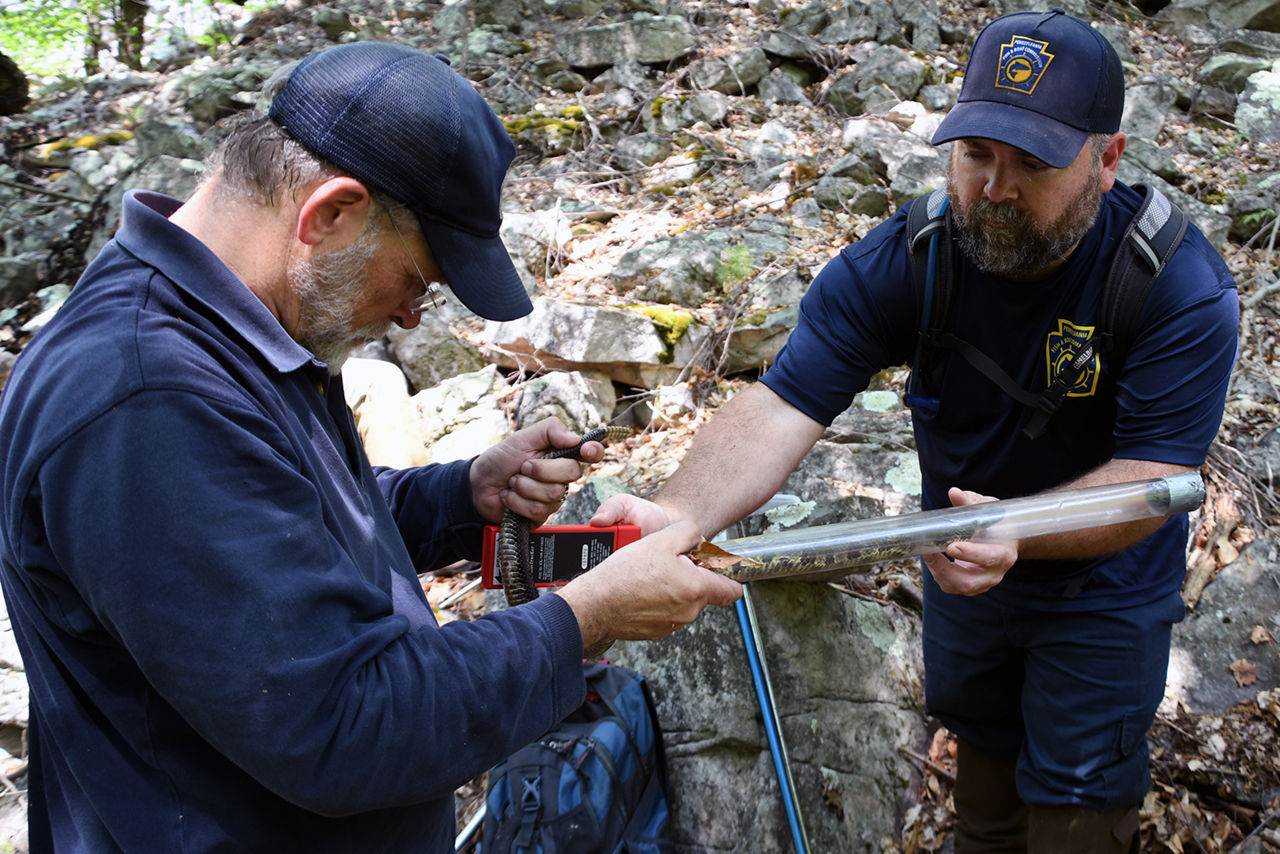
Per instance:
(1061,347)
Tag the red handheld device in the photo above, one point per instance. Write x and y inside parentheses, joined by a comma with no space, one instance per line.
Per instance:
(558,553)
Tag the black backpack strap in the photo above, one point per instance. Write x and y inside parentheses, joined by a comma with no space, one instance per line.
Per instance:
(1048,401)
(1153,235)
(530,803)
(987,366)
(1149,242)
(929,258)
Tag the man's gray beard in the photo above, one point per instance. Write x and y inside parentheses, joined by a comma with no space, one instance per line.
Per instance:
(329,289)
(1021,249)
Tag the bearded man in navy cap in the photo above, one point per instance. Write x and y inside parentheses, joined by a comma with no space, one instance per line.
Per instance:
(215,595)
(1046,657)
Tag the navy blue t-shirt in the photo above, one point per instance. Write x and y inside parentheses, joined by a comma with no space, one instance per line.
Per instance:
(1161,401)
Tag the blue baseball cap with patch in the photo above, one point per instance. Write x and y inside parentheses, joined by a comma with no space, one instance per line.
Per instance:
(1041,82)
(406,124)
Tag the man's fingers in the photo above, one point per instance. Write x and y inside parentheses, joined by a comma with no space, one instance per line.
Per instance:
(723,591)
(629,510)
(606,514)
(684,535)
(680,536)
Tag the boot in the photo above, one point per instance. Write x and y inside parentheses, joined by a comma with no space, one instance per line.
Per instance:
(1082,830)
(990,817)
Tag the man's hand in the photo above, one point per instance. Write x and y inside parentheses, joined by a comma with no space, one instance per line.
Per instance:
(513,475)
(972,568)
(626,509)
(646,590)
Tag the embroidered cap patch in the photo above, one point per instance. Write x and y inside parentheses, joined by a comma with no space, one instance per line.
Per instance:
(1022,63)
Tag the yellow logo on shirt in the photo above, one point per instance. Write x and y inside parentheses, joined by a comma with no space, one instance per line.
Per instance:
(1063,346)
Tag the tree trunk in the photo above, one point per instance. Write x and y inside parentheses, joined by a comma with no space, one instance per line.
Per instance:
(13,87)
(93,41)
(130,23)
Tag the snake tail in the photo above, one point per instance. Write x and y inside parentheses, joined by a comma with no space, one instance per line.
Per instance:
(518,582)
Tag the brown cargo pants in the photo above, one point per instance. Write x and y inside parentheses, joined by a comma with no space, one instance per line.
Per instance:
(992,819)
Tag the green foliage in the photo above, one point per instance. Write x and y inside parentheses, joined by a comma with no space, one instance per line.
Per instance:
(1231,146)
(47,37)
(63,38)
(736,265)
(1256,219)
(214,39)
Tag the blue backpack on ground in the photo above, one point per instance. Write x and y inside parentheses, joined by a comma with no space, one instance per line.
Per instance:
(597,782)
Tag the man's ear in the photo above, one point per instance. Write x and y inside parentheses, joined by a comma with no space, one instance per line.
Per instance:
(1111,161)
(334,209)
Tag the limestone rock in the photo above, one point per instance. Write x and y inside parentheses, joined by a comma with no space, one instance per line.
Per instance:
(565,336)
(655,40)
(1258,114)
(848,694)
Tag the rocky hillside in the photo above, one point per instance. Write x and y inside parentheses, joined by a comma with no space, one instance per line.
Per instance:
(684,169)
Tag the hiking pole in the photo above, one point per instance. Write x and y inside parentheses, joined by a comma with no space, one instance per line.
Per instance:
(798,552)
(769,714)
(745,608)
(454,597)
(469,831)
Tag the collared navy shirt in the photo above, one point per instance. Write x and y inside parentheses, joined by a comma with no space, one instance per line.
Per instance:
(216,596)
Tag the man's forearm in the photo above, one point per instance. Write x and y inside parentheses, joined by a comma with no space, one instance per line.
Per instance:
(1095,542)
(738,460)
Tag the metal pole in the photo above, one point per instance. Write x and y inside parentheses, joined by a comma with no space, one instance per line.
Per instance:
(772,723)
(470,830)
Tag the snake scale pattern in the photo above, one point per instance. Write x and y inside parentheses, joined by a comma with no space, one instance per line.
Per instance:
(513,534)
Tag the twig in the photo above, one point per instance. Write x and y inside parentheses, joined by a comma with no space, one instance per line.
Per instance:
(596,136)
(1258,295)
(937,769)
(43,192)
(795,191)
(1206,564)
(858,594)
(1266,819)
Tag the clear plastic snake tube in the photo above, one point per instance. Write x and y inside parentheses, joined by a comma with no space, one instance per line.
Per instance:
(845,545)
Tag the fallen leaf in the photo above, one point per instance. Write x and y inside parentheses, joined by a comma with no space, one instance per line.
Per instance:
(1245,672)
(710,556)
(1270,701)
(1260,635)
(942,748)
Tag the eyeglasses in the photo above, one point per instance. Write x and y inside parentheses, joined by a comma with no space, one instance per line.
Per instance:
(433,297)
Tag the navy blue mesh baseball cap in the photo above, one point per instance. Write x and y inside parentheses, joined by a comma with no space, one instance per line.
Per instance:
(1041,82)
(405,123)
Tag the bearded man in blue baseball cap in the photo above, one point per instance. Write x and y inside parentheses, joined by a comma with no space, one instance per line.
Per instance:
(215,595)
(1046,657)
